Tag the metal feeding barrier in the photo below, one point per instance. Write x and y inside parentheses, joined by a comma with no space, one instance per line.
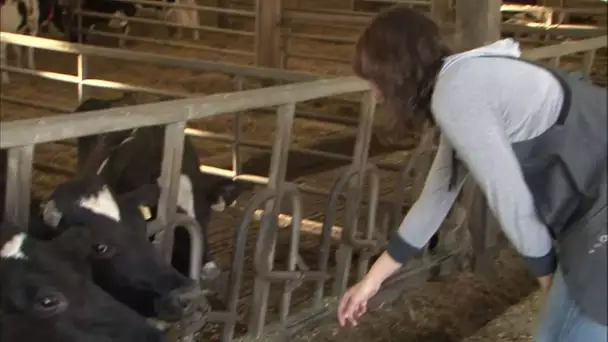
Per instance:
(20,138)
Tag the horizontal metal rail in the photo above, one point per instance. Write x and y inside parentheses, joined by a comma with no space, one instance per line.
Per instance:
(331,18)
(68,126)
(159,22)
(146,57)
(566,48)
(174,43)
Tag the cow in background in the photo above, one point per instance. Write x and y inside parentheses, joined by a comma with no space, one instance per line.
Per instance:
(25,17)
(121,11)
(133,159)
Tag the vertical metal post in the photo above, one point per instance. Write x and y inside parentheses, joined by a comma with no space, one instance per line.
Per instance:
(360,155)
(18,184)
(83,73)
(237,127)
(169,183)
(276,180)
(588,60)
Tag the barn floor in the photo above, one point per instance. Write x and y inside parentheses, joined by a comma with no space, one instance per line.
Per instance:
(459,308)
(463,307)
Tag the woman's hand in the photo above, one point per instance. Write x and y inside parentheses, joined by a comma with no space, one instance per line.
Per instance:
(354,303)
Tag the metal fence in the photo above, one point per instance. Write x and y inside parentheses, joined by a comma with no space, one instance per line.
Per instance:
(158,19)
(20,138)
(239,73)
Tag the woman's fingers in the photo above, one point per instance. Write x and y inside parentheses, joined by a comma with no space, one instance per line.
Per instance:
(344,308)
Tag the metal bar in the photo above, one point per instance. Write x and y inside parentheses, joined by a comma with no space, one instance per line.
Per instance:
(276,176)
(94,82)
(294,245)
(196,255)
(588,60)
(175,43)
(18,184)
(322,38)
(190,63)
(360,155)
(169,182)
(83,71)
(93,14)
(238,260)
(372,209)
(317,57)
(567,30)
(265,146)
(167,5)
(67,126)
(565,48)
(237,128)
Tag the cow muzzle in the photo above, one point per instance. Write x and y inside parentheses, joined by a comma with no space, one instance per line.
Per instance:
(187,306)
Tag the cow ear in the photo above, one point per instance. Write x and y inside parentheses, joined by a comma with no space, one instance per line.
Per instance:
(146,195)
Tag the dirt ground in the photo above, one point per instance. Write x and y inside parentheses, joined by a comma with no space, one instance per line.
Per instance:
(454,309)
(457,308)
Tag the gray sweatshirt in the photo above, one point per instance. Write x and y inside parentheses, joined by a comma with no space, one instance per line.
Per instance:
(481,106)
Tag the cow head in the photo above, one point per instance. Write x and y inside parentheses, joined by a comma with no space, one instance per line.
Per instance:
(124,262)
(221,192)
(46,294)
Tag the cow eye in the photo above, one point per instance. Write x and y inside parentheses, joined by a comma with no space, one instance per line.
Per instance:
(101,249)
(49,304)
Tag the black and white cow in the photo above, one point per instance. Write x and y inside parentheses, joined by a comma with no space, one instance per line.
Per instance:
(127,266)
(46,294)
(124,262)
(135,161)
(120,11)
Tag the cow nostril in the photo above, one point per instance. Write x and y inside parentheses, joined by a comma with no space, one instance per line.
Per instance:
(184,304)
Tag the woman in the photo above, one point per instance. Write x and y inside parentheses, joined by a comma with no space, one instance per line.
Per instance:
(533,139)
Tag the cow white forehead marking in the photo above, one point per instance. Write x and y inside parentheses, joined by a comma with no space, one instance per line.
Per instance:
(185,195)
(13,248)
(102,203)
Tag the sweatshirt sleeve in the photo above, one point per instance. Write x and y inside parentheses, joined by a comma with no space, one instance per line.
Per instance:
(472,123)
(430,209)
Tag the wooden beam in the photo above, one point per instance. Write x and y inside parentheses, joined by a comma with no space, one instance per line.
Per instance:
(268,20)
(477,23)
(441,10)
(222,18)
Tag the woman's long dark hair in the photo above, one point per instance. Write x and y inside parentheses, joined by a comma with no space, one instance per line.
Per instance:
(401,52)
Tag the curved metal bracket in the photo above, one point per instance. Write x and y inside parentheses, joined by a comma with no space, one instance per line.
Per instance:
(266,240)
(349,235)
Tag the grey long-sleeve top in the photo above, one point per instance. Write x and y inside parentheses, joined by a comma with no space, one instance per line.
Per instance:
(481,106)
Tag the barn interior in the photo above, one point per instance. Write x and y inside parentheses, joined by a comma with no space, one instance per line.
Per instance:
(247,44)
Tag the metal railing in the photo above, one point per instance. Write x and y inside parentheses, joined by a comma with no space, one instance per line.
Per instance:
(240,74)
